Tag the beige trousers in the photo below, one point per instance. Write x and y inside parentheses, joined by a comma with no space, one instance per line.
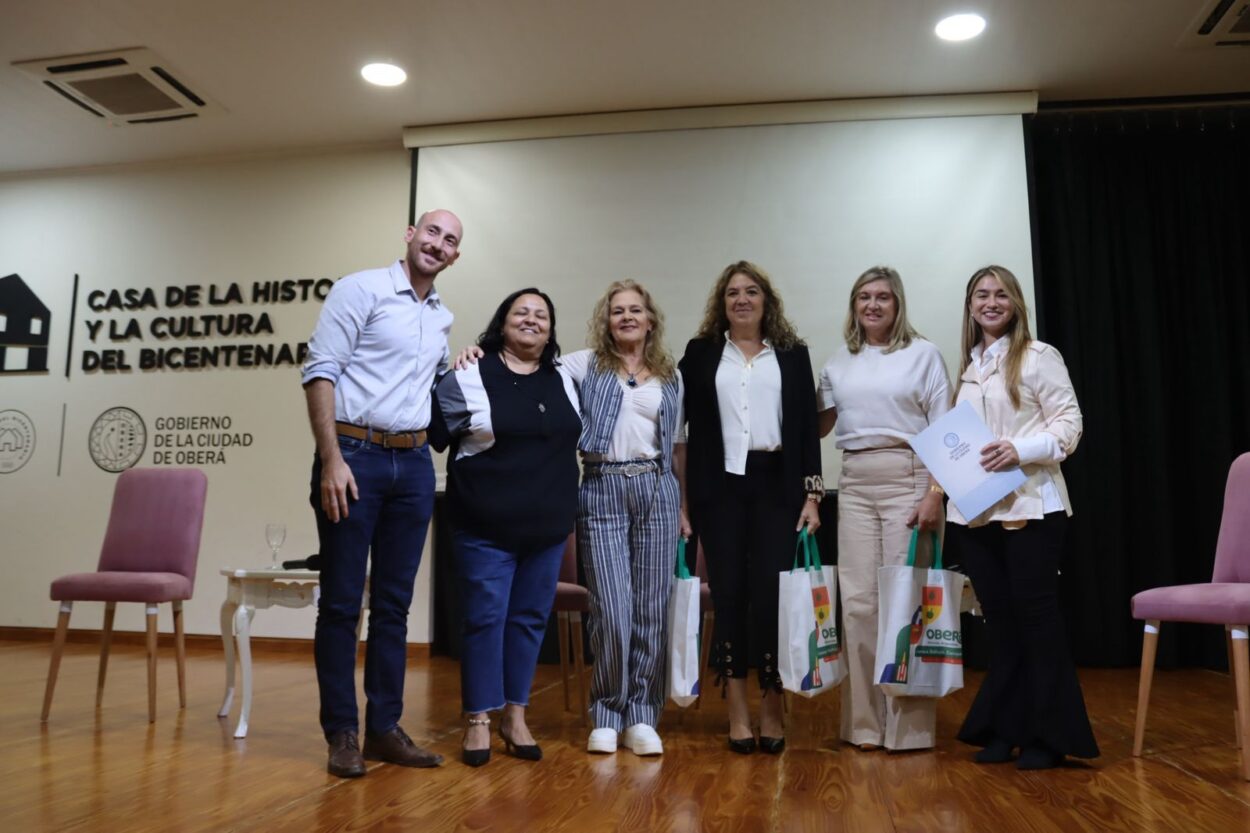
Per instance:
(876,494)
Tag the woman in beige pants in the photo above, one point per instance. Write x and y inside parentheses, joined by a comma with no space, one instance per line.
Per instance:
(883,387)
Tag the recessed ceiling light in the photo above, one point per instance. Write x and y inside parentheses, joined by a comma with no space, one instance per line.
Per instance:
(384,75)
(960,27)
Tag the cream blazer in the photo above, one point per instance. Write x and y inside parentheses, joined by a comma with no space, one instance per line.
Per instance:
(1047,405)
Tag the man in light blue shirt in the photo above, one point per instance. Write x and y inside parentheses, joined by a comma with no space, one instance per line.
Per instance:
(380,342)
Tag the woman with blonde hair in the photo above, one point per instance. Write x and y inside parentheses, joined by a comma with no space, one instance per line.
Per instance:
(885,385)
(629,511)
(1031,698)
(754,479)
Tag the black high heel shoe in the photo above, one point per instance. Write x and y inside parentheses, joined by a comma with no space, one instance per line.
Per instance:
(743,746)
(477,757)
(524,751)
(773,746)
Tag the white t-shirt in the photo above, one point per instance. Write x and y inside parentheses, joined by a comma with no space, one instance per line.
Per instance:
(884,399)
(636,435)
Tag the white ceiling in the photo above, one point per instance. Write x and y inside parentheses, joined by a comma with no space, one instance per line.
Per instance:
(286,71)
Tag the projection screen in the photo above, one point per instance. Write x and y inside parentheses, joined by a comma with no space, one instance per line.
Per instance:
(813,204)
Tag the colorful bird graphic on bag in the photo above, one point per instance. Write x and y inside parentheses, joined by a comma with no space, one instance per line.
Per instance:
(822,642)
(908,635)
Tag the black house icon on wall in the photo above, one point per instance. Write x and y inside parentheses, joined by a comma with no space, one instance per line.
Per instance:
(24,328)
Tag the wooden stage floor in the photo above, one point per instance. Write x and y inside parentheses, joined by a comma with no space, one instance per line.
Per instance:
(109,770)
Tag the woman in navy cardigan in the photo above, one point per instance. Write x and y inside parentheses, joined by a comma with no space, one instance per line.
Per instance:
(753,472)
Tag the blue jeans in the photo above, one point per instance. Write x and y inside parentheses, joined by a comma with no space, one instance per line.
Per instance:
(390,518)
(506,595)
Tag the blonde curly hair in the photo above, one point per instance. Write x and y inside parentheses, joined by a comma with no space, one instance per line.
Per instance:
(656,358)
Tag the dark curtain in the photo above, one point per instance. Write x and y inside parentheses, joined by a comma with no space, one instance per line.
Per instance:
(1142,269)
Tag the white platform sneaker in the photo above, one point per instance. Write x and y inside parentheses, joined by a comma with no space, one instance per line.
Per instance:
(641,739)
(602,740)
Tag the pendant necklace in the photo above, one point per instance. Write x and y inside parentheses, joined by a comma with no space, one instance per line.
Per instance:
(542,407)
(632,381)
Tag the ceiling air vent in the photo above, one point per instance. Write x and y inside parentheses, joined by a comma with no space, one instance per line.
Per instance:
(127,86)
(1219,23)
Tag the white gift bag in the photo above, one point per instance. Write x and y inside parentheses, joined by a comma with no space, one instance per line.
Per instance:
(809,650)
(919,642)
(683,633)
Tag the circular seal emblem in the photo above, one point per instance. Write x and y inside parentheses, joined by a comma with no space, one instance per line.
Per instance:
(17,440)
(950,440)
(117,439)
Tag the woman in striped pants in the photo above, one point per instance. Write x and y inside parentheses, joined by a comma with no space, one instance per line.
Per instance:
(629,510)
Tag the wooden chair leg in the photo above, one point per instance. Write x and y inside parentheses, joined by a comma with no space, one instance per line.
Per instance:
(705,651)
(106,643)
(151,609)
(579,663)
(180,651)
(1149,644)
(562,630)
(1241,675)
(58,646)
(1228,642)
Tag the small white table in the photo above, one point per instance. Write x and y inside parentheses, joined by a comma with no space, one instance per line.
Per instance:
(246,592)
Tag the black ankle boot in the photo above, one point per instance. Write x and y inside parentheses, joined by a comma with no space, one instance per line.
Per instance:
(997,751)
(1038,757)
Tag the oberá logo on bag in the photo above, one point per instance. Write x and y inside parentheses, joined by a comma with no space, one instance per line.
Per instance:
(822,643)
(939,645)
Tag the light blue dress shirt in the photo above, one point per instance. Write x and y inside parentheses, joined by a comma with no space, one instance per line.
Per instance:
(382,347)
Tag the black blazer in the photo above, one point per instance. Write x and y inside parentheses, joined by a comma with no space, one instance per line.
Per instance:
(705,448)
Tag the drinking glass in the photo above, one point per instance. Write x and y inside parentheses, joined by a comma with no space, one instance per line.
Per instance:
(275,537)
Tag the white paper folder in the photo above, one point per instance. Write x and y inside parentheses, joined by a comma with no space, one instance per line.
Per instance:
(951,450)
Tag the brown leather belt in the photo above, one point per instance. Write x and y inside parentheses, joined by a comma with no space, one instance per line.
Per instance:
(386,439)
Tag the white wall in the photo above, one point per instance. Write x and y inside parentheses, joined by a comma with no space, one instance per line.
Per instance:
(309,216)
(814,204)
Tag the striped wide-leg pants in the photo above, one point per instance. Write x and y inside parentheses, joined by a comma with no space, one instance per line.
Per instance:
(627,530)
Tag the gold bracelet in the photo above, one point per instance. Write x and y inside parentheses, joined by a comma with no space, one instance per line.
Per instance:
(936,489)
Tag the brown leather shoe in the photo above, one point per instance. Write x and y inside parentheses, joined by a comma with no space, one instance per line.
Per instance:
(395,747)
(345,759)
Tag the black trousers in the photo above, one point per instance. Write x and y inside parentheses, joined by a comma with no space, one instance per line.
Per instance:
(748,538)
(1031,695)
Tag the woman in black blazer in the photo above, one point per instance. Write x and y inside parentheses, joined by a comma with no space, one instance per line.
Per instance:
(753,474)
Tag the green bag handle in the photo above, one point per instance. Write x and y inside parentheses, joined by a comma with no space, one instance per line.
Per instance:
(937,549)
(811,553)
(682,570)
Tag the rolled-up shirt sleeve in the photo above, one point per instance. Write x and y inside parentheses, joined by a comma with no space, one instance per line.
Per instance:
(824,390)
(937,395)
(343,317)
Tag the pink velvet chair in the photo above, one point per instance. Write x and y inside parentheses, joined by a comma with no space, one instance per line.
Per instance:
(572,600)
(149,556)
(1224,601)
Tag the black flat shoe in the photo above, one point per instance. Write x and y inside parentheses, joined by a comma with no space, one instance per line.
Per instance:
(743,746)
(1038,757)
(997,751)
(773,746)
(526,752)
(475,757)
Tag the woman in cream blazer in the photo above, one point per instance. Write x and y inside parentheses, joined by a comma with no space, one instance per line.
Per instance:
(1031,699)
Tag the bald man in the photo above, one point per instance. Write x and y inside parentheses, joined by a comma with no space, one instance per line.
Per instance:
(380,343)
